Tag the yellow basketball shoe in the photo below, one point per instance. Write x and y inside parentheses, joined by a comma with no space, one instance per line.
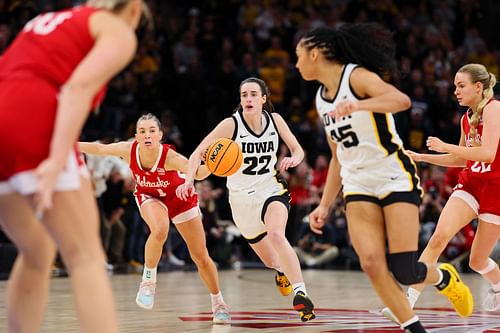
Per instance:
(457,292)
(303,305)
(284,286)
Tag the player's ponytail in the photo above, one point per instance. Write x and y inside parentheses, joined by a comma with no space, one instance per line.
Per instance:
(367,44)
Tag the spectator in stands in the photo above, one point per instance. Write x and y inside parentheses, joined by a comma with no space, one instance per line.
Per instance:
(316,250)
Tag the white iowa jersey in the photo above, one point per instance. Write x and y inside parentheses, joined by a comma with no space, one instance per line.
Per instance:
(363,138)
(259,154)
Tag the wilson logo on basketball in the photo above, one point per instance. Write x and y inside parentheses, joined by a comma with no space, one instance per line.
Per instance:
(216,150)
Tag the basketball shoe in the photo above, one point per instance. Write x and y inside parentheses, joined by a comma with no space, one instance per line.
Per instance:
(457,292)
(146,295)
(304,306)
(221,314)
(492,301)
(284,286)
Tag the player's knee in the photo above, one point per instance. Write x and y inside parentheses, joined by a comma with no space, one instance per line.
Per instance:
(201,258)
(438,240)
(475,264)
(481,265)
(160,232)
(276,237)
(41,260)
(370,264)
(406,268)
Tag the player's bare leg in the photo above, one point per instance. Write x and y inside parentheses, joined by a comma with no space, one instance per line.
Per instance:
(28,285)
(193,233)
(73,223)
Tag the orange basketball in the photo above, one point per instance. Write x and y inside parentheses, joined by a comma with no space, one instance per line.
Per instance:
(224,157)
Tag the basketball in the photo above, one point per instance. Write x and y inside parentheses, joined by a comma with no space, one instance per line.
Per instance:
(223,157)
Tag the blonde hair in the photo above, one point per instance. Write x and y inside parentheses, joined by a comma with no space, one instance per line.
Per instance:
(479,73)
(117,5)
(112,5)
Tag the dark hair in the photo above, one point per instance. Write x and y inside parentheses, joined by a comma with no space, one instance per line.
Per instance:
(268,105)
(367,44)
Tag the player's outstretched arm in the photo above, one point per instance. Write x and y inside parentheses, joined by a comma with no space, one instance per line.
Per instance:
(120,149)
(179,162)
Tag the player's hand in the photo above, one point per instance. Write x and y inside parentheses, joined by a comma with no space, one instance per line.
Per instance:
(185,191)
(204,155)
(318,218)
(344,109)
(46,173)
(417,157)
(436,144)
(288,162)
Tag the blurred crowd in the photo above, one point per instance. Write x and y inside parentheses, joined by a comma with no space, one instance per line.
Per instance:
(187,72)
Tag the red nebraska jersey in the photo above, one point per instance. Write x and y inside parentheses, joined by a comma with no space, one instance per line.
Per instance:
(158,182)
(481,169)
(50,46)
(32,71)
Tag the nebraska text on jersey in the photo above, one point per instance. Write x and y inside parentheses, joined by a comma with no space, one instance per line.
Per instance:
(141,181)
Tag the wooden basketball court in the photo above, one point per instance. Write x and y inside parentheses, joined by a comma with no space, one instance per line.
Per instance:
(343,300)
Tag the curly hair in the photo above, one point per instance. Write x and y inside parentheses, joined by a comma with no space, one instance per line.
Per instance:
(367,44)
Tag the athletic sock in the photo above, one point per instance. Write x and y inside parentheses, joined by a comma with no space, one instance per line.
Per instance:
(413,295)
(149,274)
(299,286)
(444,281)
(413,326)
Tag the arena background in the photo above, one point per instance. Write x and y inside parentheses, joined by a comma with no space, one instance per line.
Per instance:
(187,72)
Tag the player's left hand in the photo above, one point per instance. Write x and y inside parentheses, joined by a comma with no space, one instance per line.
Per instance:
(185,191)
(436,145)
(46,173)
(288,162)
(344,109)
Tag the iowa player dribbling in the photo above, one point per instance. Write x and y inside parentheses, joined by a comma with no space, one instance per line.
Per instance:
(259,198)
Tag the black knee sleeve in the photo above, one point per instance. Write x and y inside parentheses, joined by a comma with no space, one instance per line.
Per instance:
(406,268)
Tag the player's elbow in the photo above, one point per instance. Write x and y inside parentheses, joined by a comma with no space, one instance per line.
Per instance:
(202,173)
(78,89)
(490,156)
(404,102)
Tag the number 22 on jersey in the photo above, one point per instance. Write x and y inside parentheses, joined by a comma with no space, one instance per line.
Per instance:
(46,23)
(480,167)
